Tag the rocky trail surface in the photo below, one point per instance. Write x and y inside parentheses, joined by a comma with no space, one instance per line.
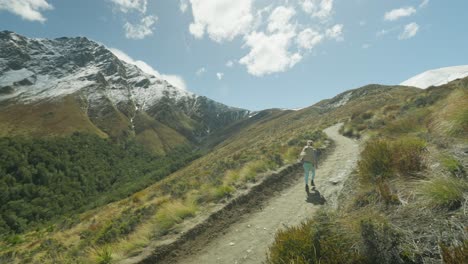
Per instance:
(247,240)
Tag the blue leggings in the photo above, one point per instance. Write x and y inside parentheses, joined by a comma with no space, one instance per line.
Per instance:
(308,168)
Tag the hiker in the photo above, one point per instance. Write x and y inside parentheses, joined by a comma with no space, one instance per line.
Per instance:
(308,158)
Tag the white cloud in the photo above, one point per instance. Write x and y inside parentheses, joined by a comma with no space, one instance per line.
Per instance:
(308,38)
(175,80)
(410,31)
(183,5)
(197,30)
(396,14)
(321,9)
(423,3)
(131,5)
(27,9)
(278,21)
(366,45)
(200,71)
(221,19)
(219,75)
(229,63)
(269,53)
(141,30)
(335,32)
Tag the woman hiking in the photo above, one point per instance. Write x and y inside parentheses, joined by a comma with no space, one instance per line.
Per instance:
(308,157)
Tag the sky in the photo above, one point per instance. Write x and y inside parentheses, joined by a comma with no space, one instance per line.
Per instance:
(258,54)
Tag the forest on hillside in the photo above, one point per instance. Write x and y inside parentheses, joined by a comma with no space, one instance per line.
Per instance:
(45,179)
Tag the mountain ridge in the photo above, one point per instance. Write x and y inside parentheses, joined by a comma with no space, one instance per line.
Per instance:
(107,96)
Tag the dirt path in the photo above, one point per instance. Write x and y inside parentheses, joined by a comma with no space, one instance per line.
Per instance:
(247,240)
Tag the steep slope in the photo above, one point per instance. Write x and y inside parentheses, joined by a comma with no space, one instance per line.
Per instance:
(56,87)
(406,201)
(437,77)
(156,214)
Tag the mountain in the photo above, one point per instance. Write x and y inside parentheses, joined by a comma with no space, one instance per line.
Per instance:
(437,77)
(65,85)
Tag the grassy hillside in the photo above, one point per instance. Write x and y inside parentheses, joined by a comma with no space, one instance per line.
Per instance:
(52,118)
(241,153)
(407,201)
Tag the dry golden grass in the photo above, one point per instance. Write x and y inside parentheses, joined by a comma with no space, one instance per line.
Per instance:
(452,115)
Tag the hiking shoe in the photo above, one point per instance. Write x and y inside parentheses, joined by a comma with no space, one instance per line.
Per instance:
(312,183)
(307,188)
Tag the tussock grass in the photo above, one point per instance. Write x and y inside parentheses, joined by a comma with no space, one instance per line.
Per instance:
(452,115)
(452,165)
(172,213)
(407,154)
(376,161)
(101,255)
(455,254)
(360,237)
(291,154)
(250,171)
(320,240)
(413,121)
(381,158)
(443,192)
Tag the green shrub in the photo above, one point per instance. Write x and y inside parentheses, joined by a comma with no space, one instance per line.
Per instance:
(443,192)
(349,130)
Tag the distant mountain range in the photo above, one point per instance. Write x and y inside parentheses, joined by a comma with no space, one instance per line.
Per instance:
(64,85)
(437,77)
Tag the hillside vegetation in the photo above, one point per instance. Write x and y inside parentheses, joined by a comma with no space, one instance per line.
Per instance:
(44,179)
(407,200)
(240,154)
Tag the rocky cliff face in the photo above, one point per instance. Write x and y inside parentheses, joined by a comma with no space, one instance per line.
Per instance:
(118,98)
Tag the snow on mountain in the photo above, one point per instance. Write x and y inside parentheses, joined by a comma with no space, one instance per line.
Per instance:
(117,94)
(37,69)
(437,77)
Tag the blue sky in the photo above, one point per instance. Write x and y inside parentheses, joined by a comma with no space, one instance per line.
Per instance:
(259,54)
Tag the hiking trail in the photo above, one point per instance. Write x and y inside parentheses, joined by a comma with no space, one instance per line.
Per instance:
(247,240)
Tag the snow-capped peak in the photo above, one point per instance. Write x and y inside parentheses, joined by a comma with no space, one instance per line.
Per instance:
(437,77)
(37,69)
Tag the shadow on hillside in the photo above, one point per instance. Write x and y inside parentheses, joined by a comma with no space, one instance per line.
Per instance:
(315,197)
